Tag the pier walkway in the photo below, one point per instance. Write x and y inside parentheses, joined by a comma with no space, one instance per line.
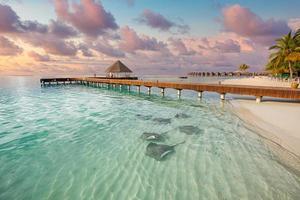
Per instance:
(257,91)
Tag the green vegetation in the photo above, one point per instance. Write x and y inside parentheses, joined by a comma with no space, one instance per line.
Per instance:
(243,67)
(285,56)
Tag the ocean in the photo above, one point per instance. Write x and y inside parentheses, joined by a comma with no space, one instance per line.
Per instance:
(78,142)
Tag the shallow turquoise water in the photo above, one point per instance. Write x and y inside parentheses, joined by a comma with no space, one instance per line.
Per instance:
(77,142)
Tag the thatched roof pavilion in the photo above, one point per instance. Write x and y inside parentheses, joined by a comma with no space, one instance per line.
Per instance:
(118,68)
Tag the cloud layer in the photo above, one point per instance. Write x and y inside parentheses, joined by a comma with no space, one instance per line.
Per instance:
(158,21)
(38,57)
(8,48)
(244,22)
(131,42)
(88,16)
(85,36)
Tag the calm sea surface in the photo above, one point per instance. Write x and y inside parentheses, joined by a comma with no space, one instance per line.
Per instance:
(77,142)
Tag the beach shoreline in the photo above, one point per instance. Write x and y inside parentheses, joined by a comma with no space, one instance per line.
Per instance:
(282,137)
(276,120)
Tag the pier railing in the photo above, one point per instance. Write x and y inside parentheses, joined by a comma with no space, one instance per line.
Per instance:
(257,91)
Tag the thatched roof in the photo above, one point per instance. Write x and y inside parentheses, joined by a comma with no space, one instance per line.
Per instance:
(118,67)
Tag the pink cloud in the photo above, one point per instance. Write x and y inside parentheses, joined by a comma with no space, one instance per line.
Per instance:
(158,21)
(105,48)
(8,48)
(222,43)
(244,22)
(85,50)
(61,29)
(38,57)
(131,41)
(227,46)
(294,24)
(49,37)
(51,44)
(180,48)
(88,16)
(10,22)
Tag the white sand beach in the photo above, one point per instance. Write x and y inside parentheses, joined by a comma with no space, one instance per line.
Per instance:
(279,119)
(257,81)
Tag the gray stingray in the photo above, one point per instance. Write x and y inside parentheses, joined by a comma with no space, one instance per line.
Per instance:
(144,117)
(182,116)
(160,151)
(190,130)
(162,120)
(197,105)
(153,136)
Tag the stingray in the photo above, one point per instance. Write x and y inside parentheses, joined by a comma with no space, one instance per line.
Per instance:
(144,117)
(190,130)
(162,120)
(160,151)
(152,136)
(182,116)
(197,106)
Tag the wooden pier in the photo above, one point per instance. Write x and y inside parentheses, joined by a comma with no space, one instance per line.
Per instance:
(257,91)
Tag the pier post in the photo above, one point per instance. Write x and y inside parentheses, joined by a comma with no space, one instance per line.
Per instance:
(138,89)
(162,91)
(129,88)
(149,90)
(222,96)
(179,93)
(200,94)
(258,99)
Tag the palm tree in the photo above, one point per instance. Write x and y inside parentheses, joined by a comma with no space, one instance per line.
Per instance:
(243,67)
(285,54)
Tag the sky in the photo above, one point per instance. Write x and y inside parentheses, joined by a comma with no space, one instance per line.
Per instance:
(162,37)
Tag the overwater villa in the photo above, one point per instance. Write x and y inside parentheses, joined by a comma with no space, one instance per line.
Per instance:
(118,70)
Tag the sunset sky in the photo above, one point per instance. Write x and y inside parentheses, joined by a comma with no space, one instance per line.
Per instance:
(61,37)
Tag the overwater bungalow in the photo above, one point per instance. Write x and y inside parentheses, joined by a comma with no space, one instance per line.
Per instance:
(118,70)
